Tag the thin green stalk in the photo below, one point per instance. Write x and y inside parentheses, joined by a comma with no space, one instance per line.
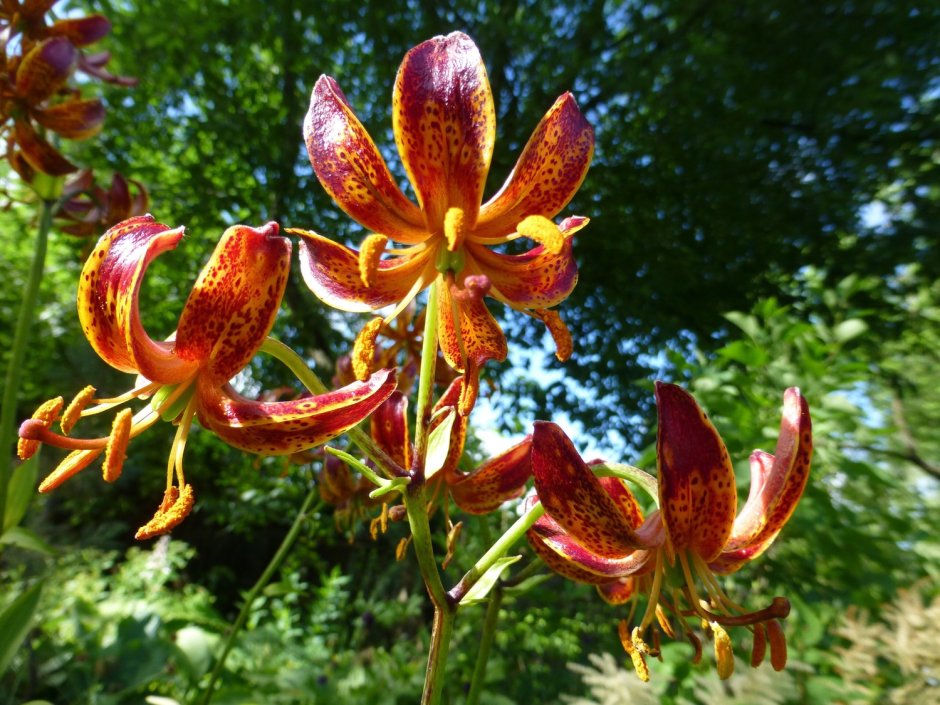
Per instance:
(256,589)
(441,632)
(426,378)
(486,643)
(641,478)
(417,508)
(11,388)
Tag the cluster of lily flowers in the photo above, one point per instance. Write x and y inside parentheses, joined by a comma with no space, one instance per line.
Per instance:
(593,530)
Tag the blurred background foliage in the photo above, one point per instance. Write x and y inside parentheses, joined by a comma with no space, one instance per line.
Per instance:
(764,203)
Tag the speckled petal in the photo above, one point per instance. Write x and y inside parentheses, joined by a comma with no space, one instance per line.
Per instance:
(107,301)
(352,170)
(74,119)
(618,592)
(779,480)
(45,69)
(697,489)
(467,332)
(285,427)
(497,480)
(445,125)
(389,427)
(576,499)
(82,31)
(548,173)
(232,305)
(331,271)
(38,153)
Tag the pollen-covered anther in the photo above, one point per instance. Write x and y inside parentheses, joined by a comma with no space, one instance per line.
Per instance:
(543,231)
(116,450)
(176,506)
(664,622)
(402,548)
(639,660)
(559,332)
(455,229)
(724,653)
(370,254)
(759,649)
(73,412)
(380,523)
(30,430)
(778,645)
(363,352)
(71,465)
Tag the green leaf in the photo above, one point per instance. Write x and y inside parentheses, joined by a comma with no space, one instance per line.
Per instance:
(745,352)
(745,322)
(439,444)
(486,582)
(395,484)
(26,539)
(852,328)
(528,584)
(20,492)
(15,621)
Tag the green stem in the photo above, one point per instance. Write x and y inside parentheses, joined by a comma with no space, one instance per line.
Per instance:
(417,507)
(441,632)
(426,378)
(641,478)
(256,589)
(486,643)
(14,375)
(496,551)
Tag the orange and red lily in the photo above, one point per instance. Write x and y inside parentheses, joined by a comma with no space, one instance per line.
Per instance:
(88,209)
(594,530)
(224,322)
(444,124)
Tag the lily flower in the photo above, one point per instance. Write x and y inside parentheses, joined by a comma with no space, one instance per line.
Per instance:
(224,322)
(87,208)
(444,123)
(594,530)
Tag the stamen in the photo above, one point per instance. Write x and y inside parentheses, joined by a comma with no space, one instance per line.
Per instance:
(429,273)
(369,256)
(724,653)
(779,608)
(73,411)
(760,645)
(639,660)
(402,548)
(664,622)
(558,330)
(543,231)
(141,392)
(778,645)
(452,536)
(379,523)
(363,352)
(454,228)
(71,465)
(42,418)
(658,572)
(179,441)
(116,450)
(176,505)
(469,390)
(697,645)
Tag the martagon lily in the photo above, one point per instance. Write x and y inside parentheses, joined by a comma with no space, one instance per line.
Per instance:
(594,530)
(224,322)
(444,125)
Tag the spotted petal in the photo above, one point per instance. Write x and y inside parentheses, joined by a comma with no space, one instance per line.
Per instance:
(696,479)
(331,271)
(576,499)
(777,483)
(107,301)
(497,480)
(445,125)
(352,170)
(549,172)
(389,428)
(38,153)
(285,427)
(74,119)
(467,332)
(45,69)
(232,305)
(82,31)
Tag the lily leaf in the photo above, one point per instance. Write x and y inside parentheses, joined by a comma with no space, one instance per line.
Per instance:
(851,328)
(26,539)
(20,492)
(482,588)
(397,483)
(439,444)
(15,621)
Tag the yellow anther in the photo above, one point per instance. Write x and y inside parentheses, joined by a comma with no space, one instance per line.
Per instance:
(760,646)
(724,653)
(664,622)
(379,523)
(116,450)
(46,414)
(778,645)
(363,352)
(71,465)
(639,660)
(176,506)
(455,228)
(543,231)
(452,536)
(73,412)
(558,330)
(402,548)
(370,254)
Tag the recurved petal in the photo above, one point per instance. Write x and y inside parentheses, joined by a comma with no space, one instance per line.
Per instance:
(548,173)
(576,499)
(45,69)
(445,125)
(467,332)
(696,479)
(389,427)
(285,427)
(39,154)
(779,479)
(352,170)
(497,480)
(535,279)
(82,31)
(331,271)
(618,592)
(74,119)
(107,300)
(232,305)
